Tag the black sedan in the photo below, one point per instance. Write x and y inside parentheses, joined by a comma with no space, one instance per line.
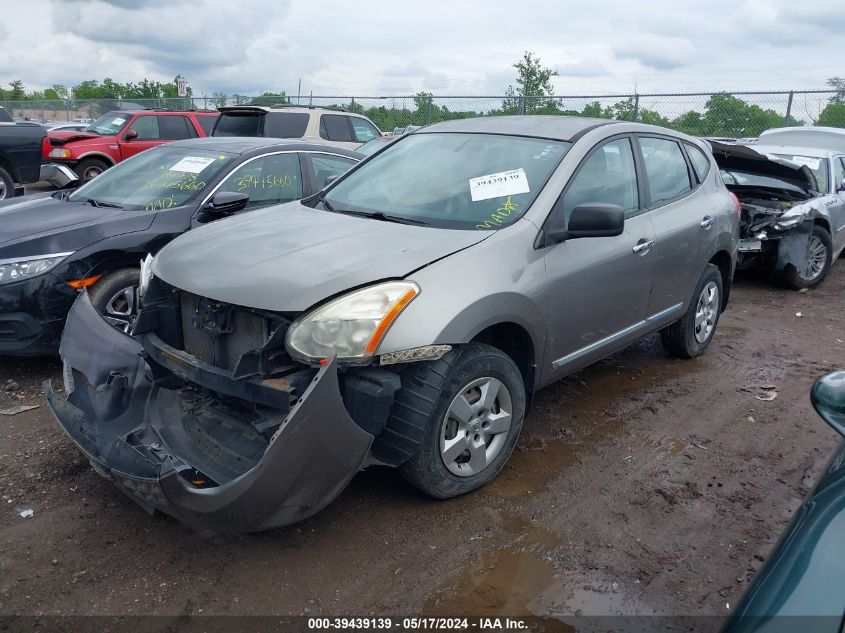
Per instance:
(96,236)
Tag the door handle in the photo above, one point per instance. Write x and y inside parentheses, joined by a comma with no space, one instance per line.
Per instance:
(643,247)
(707,222)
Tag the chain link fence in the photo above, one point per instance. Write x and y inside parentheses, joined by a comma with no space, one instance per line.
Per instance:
(720,114)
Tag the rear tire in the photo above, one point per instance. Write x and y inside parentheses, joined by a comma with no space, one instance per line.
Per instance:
(820,258)
(115,297)
(471,399)
(89,168)
(7,185)
(689,336)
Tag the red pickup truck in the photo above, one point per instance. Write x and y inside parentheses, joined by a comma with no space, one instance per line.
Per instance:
(117,135)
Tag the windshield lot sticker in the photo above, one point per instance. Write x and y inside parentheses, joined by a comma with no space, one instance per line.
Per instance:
(812,163)
(118,121)
(503,183)
(192,164)
(500,215)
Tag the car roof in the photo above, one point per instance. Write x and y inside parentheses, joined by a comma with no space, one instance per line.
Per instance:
(563,128)
(245,144)
(812,152)
(283,107)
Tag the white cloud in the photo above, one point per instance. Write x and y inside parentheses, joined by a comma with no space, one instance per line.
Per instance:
(458,47)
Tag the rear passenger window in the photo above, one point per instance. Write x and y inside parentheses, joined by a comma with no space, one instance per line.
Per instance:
(668,176)
(174,128)
(607,176)
(335,127)
(699,160)
(285,124)
(838,173)
(207,123)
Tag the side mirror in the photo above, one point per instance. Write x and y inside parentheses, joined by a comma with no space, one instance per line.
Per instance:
(130,135)
(227,202)
(592,219)
(828,398)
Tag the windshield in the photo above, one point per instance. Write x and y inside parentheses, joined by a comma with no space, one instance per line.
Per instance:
(462,181)
(817,165)
(159,178)
(109,124)
(371,147)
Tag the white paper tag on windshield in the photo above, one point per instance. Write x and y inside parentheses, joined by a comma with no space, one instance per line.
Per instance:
(812,163)
(499,185)
(192,164)
(118,121)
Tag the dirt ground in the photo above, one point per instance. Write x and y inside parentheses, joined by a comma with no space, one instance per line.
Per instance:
(642,485)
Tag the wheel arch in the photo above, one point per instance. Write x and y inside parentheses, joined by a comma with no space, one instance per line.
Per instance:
(9,167)
(723,261)
(97,154)
(514,340)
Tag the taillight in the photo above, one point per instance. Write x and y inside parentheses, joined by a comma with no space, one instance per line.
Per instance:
(45,147)
(737,203)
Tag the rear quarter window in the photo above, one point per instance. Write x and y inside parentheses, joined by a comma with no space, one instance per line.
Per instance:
(700,162)
(285,124)
(207,123)
(666,168)
(335,127)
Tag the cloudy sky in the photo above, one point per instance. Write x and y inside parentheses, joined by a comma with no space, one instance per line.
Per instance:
(371,47)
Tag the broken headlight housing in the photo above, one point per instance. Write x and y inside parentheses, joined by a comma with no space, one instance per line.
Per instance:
(352,326)
(789,222)
(12,270)
(146,275)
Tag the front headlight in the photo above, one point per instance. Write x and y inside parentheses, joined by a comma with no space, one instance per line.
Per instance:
(59,152)
(352,326)
(26,267)
(146,274)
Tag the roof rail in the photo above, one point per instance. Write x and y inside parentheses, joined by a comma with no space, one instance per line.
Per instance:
(309,107)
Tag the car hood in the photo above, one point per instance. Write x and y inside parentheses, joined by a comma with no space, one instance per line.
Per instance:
(287,258)
(60,138)
(743,158)
(32,224)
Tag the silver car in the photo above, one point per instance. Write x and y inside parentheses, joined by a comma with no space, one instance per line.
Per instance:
(403,316)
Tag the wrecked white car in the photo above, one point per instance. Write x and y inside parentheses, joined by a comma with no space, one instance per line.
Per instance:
(793,215)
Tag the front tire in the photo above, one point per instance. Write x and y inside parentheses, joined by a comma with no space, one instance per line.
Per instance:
(7,185)
(89,168)
(819,260)
(691,335)
(471,406)
(115,297)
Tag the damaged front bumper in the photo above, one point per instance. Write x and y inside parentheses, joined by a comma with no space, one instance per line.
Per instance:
(57,175)
(182,443)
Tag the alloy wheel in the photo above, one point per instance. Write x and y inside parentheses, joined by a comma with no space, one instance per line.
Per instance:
(816,259)
(706,312)
(122,309)
(476,425)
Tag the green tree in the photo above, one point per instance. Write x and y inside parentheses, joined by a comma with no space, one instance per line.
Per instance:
(270,98)
(725,115)
(16,92)
(833,115)
(838,84)
(56,92)
(533,84)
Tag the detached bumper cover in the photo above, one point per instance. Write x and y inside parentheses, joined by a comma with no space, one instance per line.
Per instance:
(130,429)
(57,175)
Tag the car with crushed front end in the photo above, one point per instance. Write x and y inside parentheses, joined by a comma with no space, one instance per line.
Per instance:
(96,236)
(793,220)
(802,585)
(404,316)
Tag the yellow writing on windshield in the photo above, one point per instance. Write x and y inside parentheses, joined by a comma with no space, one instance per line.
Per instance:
(160,203)
(499,215)
(267,182)
(175,180)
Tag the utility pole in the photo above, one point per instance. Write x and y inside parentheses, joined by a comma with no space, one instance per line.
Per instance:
(298,91)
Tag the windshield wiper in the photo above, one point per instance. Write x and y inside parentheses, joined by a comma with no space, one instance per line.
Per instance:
(100,203)
(381,215)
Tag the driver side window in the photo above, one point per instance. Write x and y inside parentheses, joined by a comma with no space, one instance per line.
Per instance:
(607,176)
(271,179)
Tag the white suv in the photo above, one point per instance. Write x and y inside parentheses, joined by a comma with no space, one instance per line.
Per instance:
(332,125)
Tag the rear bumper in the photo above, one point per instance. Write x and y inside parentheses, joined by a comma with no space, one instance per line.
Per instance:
(58,175)
(143,436)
